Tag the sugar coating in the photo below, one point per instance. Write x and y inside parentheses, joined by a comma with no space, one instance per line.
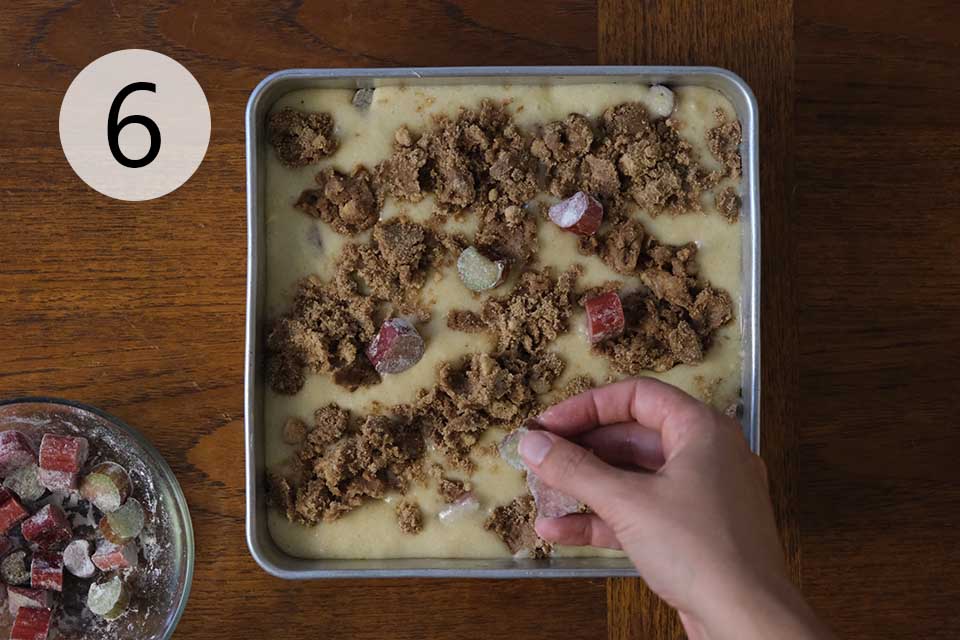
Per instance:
(396,348)
(76,559)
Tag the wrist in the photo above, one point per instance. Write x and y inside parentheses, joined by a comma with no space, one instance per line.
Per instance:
(760,607)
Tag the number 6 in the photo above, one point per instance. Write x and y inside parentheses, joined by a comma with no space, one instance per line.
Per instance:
(114,127)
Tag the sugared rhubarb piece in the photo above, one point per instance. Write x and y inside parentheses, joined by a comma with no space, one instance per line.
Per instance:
(107,486)
(109,598)
(14,570)
(604,316)
(509,448)
(15,452)
(76,559)
(31,624)
(581,213)
(25,482)
(550,502)
(48,527)
(46,571)
(396,347)
(110,557)
(22,597)
(661,101)
(11,511)
(124,524)
(61,458)
(478,272)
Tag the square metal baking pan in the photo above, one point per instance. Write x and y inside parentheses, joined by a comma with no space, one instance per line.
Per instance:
(261,545)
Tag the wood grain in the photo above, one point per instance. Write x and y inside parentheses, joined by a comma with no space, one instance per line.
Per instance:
(752,38)
(878,198)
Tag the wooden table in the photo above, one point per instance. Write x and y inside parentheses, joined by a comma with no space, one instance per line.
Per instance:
(138,308)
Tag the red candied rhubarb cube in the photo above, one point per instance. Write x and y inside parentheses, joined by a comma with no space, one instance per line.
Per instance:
(48,527)
(11,511)
(604,316)
(18,597)
(581,213)
(31,624)
(46,571)
(61,458)
(110,557)
(396,347)
(15,452)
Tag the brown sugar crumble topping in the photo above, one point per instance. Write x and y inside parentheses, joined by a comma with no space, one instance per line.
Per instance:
(451,490)
(481,164)
(345,461)
(481,392)
(409,517)
(301,138)
(346,203)
(526,320)
(513,523)
(326,331)
(395,264)
(728,204)
(478,159)
(724,143)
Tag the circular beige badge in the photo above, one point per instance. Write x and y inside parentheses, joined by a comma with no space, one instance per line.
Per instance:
(134,124)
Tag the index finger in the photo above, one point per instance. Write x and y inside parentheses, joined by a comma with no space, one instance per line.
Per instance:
(651,403)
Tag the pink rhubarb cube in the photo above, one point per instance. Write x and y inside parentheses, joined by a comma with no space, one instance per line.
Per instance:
(46,571)
(11,511)
(48,527)
(31,624)
(110,557)
(22,597)
(15,452)
(61,458)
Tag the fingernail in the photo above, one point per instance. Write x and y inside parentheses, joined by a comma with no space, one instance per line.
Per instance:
(534,447)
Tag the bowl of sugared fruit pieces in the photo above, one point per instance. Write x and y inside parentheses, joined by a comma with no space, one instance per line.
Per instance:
(95,536)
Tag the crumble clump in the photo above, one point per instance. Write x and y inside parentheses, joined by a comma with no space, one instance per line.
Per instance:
(451,490)
(409,517)
(301,138)
(527,319)
(625,156)
(724,143)
(372,456)
(675,325)
(477,159)
(326,330)
(396,262)
(348,203)
(479,392)
(513,523)
(728,204)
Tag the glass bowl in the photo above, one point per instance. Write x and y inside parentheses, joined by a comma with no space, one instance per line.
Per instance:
(160,585)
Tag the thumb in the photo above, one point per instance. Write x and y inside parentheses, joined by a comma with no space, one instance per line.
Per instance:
(575,471)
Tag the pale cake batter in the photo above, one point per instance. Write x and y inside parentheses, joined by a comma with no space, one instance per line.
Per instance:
(298,245)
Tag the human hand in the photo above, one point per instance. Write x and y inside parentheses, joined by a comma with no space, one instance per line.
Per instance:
(698,524)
